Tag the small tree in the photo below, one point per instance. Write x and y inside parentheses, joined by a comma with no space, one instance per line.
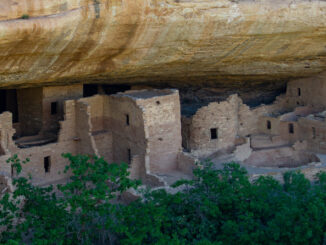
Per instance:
(81,212)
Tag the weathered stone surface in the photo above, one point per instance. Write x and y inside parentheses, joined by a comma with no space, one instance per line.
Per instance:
(145,40)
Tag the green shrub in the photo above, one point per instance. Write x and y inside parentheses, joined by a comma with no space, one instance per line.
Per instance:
(216,207)
(25,16)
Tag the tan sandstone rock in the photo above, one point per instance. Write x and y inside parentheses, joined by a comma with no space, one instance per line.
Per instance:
(144,40)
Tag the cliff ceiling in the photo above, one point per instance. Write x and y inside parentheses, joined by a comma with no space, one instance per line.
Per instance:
(189,41)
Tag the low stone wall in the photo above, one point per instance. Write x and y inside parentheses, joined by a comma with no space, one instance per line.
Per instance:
(186,163)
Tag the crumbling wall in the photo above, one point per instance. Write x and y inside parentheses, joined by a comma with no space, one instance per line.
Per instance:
(100,133)
(6,133)
(232,119)
(53,99)
(221,117)
(96,107)
(38,154)
(250,121)
(5,184)
(84,129)
(67,143)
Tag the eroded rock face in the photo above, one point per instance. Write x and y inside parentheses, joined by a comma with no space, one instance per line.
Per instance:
(189,41)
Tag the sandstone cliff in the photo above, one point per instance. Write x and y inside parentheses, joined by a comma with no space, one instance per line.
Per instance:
(144,40)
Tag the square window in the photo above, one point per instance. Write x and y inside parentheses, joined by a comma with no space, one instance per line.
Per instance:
(214,134)
(54,108)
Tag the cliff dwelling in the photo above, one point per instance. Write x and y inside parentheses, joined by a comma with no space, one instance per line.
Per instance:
(147,129)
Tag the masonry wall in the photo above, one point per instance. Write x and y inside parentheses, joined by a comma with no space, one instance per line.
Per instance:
(36,168)
(162,122)
(66,144)
(129,139)
(100,133)
(314,132)
(307,91)
(262,125)
(221,116)
(250,119)
(83,129)
(57,95)
(6,133)
(6,143)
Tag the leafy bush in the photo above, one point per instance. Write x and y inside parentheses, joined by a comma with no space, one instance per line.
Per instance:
(25,16)
(216,207)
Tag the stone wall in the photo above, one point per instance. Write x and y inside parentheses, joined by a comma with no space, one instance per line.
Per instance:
(307,91)
(250,118)
(53,99)
(221,117)
(48,154)
(127,125)
(186,163)
(231,119)
(314,132)
(162,122)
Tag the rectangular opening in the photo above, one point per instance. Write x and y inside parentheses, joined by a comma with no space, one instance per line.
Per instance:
(127,120)
(313,132)
(129,156)
(54,108)
(90,90)
(268,124)
(299,91)
(8,102)
(214,134)
(291,128)
(47,164)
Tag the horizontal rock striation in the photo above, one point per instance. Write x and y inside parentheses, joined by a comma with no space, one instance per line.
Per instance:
(189,41)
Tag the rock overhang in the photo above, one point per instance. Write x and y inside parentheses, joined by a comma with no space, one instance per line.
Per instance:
(186,42)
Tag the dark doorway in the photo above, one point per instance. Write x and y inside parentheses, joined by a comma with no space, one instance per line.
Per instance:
(47,164)
(269,125)
(8,102)
(291,128)
(127,120)
(115,88)
(54,108)
(90,90)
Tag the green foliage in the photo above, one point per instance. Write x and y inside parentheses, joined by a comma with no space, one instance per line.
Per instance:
(224,207)
(216,207)
(25,16)
(80,214)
